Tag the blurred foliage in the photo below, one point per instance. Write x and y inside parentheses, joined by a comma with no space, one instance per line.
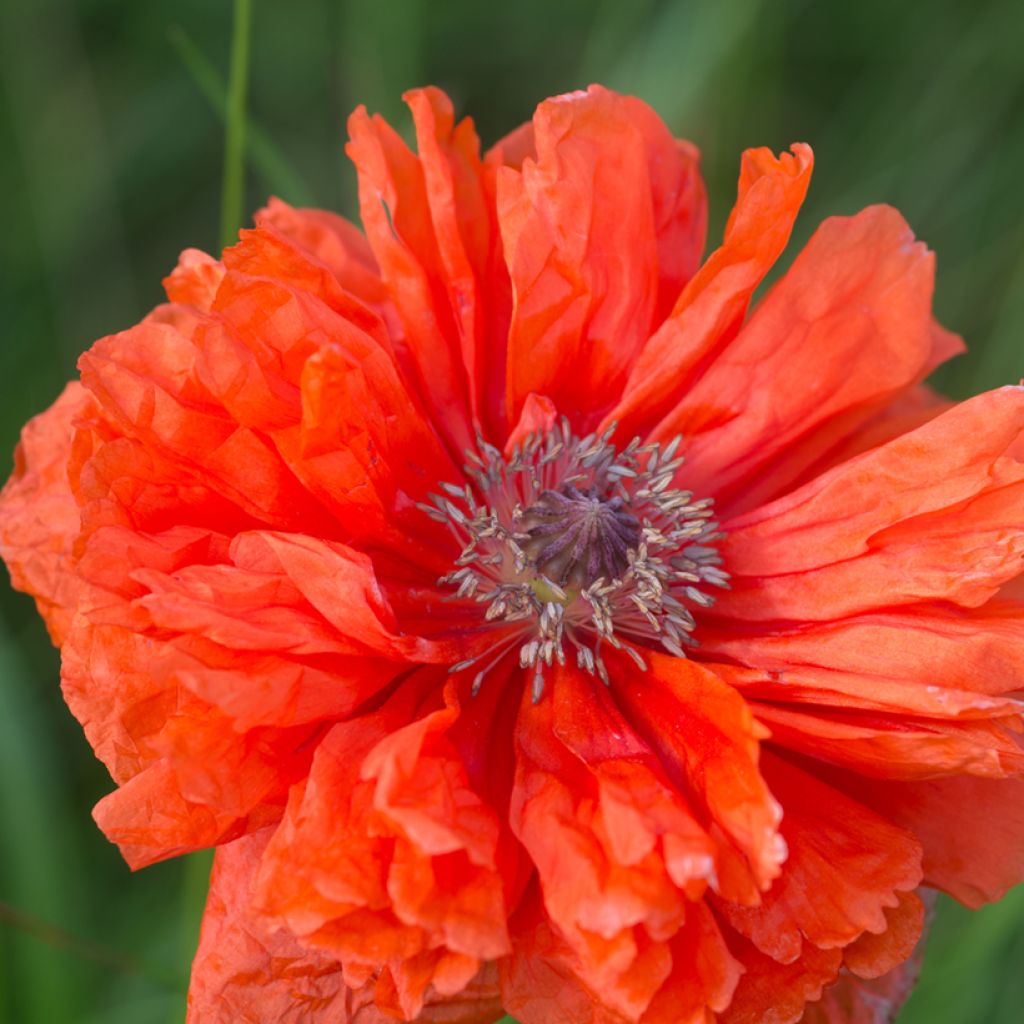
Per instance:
(111,142)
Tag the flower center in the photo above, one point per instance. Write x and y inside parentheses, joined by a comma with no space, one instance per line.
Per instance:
(570,544)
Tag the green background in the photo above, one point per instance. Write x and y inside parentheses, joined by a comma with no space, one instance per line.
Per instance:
(110,163)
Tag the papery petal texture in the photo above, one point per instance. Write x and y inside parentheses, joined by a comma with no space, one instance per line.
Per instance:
(534,622)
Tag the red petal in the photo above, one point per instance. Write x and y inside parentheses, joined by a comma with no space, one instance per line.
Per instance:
(388,856)
(708,741)
(893,526)
(246,970)
(847,329)
(888,966)
(972,830)
(396,213)
(39,517)
(617,851)
(711,308)
(846,866)
(585,213)
(333,241)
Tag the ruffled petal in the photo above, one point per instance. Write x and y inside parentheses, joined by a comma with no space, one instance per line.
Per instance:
(711,308)
(39,517)
(248,970)
(332,241)
(708,741)
(874,995)
(388,857)
(972,830)
(397,215)
(770,992)
(847,329)
(542,981)
(619,853)
(846,868)
(578,217)
(894,526)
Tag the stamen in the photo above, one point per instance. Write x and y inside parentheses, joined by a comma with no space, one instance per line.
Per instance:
(569,540)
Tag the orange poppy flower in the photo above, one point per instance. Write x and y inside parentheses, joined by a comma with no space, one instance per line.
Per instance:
(533,626)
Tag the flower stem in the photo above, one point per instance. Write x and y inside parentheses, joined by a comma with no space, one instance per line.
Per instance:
(233,191)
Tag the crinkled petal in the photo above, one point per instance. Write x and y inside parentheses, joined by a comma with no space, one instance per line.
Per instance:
(580,228)
(848,328)
(711,308)
(708,741)
(248,970)
(971,830)
(618,852)
(893,526)
(846,867)
(386,856)
(39,517)
(397,216)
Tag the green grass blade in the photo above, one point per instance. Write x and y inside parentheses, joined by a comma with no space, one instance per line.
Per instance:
(278,175)
(233,191)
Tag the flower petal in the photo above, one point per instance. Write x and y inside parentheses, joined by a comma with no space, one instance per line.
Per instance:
(845,868)
(893,526)
(39,518)
(247,970)
(972,830)
(577,218)
(711,308)
(708,741)
(396,214)
(618,852)
(847,329)
(387,856)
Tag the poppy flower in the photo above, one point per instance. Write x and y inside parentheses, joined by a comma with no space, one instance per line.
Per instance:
(533,624)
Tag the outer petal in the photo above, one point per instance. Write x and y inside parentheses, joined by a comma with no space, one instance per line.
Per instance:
(847,330)
(333,241)
(39,518)
(708,741)
(875,996)
(710,310)
(387,857)
(580,226)
(541,982)
(928,659)
(247,971)
(893,526)
(396,213)
(469,249)
(618,852)
(972,830)
(846,866)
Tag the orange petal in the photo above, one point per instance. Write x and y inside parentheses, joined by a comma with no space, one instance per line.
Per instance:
(846,867)
(618,853)
(972,830)
(712,306)
(903,747)
(333,241)
(876,991)
(39,517)
(847,329)
(930,659)
(786,988)
(893,526)
(195,280)
(474,275)
(386,854)
(584,213)
(708,741)
(396,214)
(247,970)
